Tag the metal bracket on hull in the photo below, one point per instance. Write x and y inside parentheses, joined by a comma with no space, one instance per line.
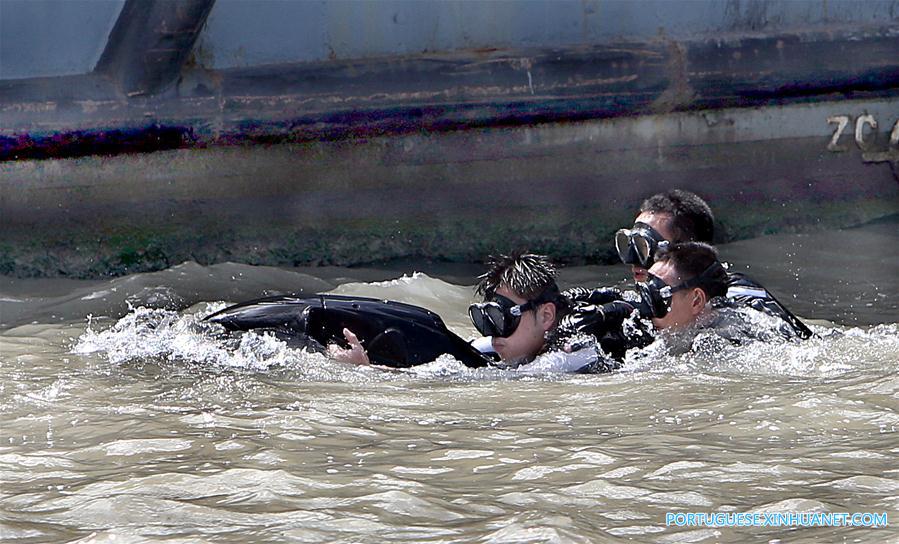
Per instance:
(150,42)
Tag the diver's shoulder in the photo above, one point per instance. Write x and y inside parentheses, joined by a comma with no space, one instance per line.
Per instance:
(741,285)
(744,291)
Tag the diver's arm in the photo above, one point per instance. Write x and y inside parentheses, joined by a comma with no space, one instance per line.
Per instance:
(597,319)
(601,295)
(356,354)
(583,360)
(484,345)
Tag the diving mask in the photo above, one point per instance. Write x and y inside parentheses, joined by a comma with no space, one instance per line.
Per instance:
(499,316)
(656,295)
(638,245)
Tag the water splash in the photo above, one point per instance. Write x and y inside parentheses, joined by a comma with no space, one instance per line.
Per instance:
(831,352)
(146,333)
(158,334)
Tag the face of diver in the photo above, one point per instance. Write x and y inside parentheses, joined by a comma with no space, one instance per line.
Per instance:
(527,340)
(686,304)
(660,222)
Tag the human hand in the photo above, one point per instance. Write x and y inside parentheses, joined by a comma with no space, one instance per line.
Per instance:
(356,354)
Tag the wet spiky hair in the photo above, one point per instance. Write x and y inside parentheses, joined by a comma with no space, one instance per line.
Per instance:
(527,275)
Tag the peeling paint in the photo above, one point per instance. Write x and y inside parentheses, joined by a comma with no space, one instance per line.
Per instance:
(679,91)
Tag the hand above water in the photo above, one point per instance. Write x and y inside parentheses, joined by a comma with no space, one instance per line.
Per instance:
(356,354)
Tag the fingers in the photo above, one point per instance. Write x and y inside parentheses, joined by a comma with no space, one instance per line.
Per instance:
(356,354)
(352,339)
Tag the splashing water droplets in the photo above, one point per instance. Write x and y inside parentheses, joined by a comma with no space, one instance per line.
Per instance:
(163,334)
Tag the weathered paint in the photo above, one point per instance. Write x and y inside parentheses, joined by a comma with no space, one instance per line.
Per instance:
(244,33)
(530,142)
(40,38)
(346,99)
(560,188)
(80,143)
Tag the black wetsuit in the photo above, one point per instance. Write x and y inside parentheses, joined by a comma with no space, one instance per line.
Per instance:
(604,314)
(743,291)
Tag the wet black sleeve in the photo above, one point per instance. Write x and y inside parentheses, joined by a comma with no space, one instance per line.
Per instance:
(601,295)
(606,324)
(744,291)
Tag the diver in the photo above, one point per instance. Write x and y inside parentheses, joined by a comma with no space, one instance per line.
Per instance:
(682,297)
(525,317)
(612,323)
(679,297)
(681,286)
(682,216)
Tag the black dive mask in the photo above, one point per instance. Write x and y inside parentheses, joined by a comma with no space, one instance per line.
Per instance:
(655,294)
(499,316)
(638,246)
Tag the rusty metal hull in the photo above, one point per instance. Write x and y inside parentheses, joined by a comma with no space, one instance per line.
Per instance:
(96,113)
(157,156)
(560,188)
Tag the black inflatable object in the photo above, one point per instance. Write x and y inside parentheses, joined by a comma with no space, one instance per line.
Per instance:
(393,333)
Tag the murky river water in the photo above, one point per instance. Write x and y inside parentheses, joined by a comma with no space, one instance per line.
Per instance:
(122,421)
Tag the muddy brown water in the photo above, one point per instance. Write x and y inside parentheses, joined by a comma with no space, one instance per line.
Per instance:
(122,421)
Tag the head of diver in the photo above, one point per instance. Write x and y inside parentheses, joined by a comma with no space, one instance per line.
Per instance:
(681,283)
(671,216)
(638,246)
(522,304)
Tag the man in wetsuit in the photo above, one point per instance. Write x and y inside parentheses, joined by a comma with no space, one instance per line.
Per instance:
(681,285)
(682,216)
(681,297)
(677,294)
(520,314)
